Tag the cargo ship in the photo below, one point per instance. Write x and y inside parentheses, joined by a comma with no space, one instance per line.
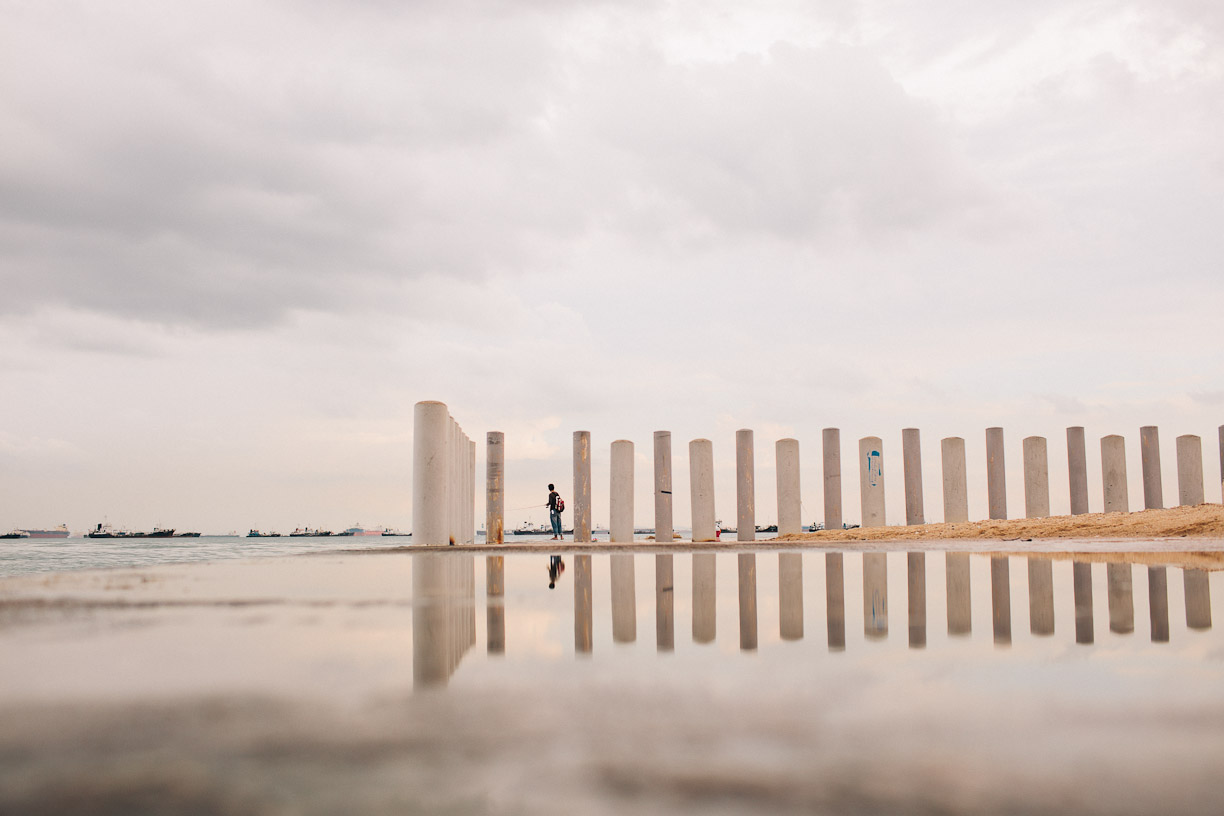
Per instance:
(58,532)
(106,531)
(358,530)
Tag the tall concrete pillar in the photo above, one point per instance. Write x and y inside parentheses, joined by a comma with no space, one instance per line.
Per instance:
(1158,603)
(582,486)
(1121,598)
(911,461)
(1036,478)
(835,601)
(1077,470)
(960,608)
(1149,454)
(955,488)
(996,474)
(786,452)
(665,603)
(915,564)
(1189,470)
(583,618)
(454,502)
(745,489)
(1113,474)
(871,481)
(624,598)
(701,488)
(620,502)
(495,607)
(747,601)
(495,488)
(430,474)
(704,597)
(1041,596)
(1000,598)
(790,595)
(663,487)
(831,438)
(470,490)
(1221,463)
(1198,598)
(875,595)
(1081,586)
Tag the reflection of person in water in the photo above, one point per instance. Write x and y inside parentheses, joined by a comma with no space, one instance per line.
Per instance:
(555,567)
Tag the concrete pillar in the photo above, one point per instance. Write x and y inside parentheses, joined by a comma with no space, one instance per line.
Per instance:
(1189,470)
(911,460)
(624,598)
(582,486)
(1041,596)
(1221,432)
(704,597)
(1081,586)
(1149,454)
(701,488)
(1113,474)
(955,488)
(1000,598)
(1077,470)
(665,602)
(663,487)
(583,640)
(495,488)
(745,489)
(470,489)
(747,601)
(1036,478)
(996,474)
(790,595)
(495,607)
(960,608)
(430,473)
(875,595)
(1118,582)
(1158,603)
(831,438)
(1198,598)
(790,511)
(871,481)
(915,563)
(835,601)
(620,502)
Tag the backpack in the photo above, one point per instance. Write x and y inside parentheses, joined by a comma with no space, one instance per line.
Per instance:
(560,505)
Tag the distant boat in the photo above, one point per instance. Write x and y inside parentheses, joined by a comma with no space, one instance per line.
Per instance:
(58,532)
(106,531)
(527,529)
(394,533)
(309,533)
(257,534)
(16,534)
(358,530)
(186,535)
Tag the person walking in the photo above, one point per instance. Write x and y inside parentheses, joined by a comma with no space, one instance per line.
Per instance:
(555,506)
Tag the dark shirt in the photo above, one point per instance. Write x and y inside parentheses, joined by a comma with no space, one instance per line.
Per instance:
(552,500)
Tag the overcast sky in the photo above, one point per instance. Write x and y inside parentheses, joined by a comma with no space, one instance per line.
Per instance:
(238,241)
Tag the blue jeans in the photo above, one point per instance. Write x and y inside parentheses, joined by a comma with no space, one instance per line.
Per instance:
(555,518)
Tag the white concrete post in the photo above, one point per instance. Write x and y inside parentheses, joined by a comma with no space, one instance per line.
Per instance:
(430,477)
(701,488)
(663,487)
(1077,470)
(1189,470)
(495,488)
(452,478)
(911,462)
(1149,454)
(1036,478)
(470,489)
(745,489)
(582,486)
(786,452)
(996,474)
(1113,474)
(621,499)
(955,488)
(831,438)
(1221,432)
(871,481)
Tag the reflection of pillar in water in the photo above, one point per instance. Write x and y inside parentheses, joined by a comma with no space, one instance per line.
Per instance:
(1198,599)
(835,601)
(960,617)
(582,603)
(1081,579)
(704,621)
(624,599)
(1158,603)
(875,595)
(495,607)
(1000,598)
(1041,595)
(665,619)
(790,595)
(916,571)
(443,616)
(747,601)
(1121,598)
